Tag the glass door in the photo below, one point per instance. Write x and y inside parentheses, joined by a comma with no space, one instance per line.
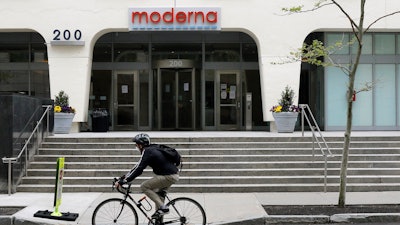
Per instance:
(228,100)
(185,99)
(176,99)
(125,100)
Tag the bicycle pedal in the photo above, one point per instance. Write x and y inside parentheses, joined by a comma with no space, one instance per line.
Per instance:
(158,222)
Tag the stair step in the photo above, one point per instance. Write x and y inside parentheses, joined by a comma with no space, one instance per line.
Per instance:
(231,164)
(224,188)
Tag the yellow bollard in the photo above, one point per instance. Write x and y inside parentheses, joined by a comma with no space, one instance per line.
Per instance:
(58,188)
(57,198)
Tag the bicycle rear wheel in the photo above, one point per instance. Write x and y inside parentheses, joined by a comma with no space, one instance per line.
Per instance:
(185,211)
(114,211)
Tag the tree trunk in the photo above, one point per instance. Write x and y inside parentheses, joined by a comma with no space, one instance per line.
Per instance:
(359,32)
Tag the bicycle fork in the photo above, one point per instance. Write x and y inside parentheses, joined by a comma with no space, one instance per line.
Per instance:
(120,212)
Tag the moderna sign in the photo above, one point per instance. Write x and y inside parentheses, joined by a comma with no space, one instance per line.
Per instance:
(174,19)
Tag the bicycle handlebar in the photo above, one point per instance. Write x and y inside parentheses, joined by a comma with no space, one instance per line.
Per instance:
(121,189)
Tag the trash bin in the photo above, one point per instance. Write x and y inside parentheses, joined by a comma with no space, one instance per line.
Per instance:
(99,120)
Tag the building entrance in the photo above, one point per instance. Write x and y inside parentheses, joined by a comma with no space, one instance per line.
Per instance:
(125,100)
(176,95)
(176,99)
(176,80)
(228,100)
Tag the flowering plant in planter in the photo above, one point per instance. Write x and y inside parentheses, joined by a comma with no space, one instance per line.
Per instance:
(285,104)
(285,114)
(61,103)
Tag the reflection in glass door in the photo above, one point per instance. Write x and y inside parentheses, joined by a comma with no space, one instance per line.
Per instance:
(176,99)
(229,101)
(125,100)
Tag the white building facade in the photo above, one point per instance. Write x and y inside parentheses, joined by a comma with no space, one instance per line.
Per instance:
(195,64)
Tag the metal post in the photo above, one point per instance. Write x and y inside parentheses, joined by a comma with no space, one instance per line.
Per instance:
(302,120)
(48,118)
(9,176)
(325,174)
(38,138)
(313,145)
(26,158)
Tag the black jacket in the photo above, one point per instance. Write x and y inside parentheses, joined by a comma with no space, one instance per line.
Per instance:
(154,158)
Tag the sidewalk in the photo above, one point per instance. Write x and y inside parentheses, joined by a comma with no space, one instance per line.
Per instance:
(221,208)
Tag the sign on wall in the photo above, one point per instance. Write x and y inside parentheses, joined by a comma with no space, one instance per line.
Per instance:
(174,19)
(67,37)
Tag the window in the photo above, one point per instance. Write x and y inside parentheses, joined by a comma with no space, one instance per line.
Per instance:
(23,57)
(384,44)
(127,52)
(102,52)
(223,52)
(377,108)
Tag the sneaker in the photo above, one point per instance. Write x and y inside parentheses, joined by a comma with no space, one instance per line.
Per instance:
(160,212)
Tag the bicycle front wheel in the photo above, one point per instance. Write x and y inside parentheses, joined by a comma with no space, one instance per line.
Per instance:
(114,211)
(185,211)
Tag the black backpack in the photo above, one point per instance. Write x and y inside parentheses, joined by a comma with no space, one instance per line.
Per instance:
(170,153)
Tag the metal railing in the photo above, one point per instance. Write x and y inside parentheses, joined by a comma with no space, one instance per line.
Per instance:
(25,151)
(320,140)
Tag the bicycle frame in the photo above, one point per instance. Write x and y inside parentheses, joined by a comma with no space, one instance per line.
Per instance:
(126,192)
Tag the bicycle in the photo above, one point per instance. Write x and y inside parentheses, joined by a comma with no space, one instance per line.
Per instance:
(182,210)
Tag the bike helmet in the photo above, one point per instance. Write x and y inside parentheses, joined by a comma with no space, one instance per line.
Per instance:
(142,139)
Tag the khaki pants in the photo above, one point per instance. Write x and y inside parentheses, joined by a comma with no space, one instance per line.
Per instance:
(150,187)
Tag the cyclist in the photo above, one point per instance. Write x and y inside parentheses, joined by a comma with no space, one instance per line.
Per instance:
(166,173)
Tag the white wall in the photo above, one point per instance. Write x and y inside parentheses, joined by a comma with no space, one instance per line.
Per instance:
(275,34)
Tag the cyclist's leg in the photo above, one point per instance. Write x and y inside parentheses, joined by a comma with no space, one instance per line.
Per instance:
(162,193)
(158,182)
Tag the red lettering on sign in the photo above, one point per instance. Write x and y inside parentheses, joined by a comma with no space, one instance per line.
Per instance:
(168,17)
(212,17)
(140,15)
(171,16)
(155,17)
(181,17)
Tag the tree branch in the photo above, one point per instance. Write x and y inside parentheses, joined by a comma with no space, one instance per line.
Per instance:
(299,9)
(380,18)
(352,23)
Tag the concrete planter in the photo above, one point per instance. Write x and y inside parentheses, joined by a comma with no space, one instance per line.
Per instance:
(285,121)
(63,122)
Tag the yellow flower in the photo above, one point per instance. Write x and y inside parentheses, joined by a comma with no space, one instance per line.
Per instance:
(278,108)
(57,108)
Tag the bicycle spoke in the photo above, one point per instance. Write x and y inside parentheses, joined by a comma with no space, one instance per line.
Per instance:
(112,211)
(185,211)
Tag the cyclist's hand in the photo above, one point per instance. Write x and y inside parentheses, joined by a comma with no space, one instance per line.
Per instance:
(118,182)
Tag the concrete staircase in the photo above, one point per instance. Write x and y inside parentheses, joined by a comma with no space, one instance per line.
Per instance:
(227,164)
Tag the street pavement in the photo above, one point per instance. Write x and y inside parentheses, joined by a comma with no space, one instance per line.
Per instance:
(221,208)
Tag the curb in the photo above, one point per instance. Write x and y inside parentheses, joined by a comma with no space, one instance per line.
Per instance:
(292,219)
(6,220)
(336,218)
(366,217)
(254,221)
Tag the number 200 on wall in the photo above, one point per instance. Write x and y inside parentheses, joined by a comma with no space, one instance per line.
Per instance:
(67,35)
